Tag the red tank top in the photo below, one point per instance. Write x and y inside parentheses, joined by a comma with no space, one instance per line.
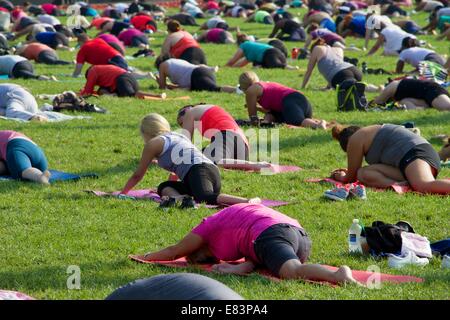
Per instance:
(273,95)
(217,119)
(184,43)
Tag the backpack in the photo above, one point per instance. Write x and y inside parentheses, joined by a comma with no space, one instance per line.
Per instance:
(350,96)
(68,100)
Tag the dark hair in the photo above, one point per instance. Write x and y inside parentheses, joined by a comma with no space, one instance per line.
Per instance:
(161,58)
(182,111)
(343,134)
(173,26)
(241,38)
(312,27)
(409,42)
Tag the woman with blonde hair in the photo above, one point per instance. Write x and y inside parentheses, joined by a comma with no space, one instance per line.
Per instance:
(180,44)
(395,156)
(199,177)
(279,103)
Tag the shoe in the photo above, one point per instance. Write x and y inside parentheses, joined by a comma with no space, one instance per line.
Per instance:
(167,202)
(446,262)
(188,203)
(358,191)
(398,262)
(337,194)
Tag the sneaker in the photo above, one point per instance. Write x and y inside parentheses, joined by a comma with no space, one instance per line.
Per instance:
(410,258)
(167,202)
(358,191)
(446,262)
(337,194)
(188,203)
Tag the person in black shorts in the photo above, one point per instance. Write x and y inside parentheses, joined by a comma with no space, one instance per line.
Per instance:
(184,19)
(114,27)
(415,93)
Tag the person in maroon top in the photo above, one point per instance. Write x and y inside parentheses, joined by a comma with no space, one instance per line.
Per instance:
(96,52)
(113,80)
(279,103)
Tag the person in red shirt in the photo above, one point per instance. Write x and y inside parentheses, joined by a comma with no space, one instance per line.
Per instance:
(113,80)
(143,22)
(97,52)
(99,22)
(40,53)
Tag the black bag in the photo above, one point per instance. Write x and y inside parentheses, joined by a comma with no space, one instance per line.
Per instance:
(68,100)
(386,238)
(351,96)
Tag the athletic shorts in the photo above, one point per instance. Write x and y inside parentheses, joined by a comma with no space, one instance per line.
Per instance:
(202,182)
(434,57)
(136,41)
(417,89)
(296,108)
(194,55)
(126,85)
(280,243)
(226,144)
(118,27)
(346,74)
(203,79)
(22,154)
(274,58)
(424,152)
(119,61)
(23,69)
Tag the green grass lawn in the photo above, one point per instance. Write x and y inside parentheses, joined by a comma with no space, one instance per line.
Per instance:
(44,230)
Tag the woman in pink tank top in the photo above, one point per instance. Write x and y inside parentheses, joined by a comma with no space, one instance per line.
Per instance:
(253,232)
(279,103)
(216,35)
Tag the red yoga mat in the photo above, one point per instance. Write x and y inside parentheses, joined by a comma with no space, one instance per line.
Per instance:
(359,275)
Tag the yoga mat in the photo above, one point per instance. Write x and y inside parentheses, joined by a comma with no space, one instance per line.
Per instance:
(150,194)
(13,295)
(274,169)
(59,176)
(400,189)
(166,99)
(359,275)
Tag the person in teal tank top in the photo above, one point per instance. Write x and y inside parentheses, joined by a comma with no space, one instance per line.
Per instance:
(260,54)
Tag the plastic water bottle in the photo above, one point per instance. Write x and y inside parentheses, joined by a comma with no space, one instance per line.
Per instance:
(354,237)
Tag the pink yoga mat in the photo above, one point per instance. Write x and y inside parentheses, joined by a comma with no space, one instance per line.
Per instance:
(13,295)
(359,275)
(274,168)
(151,194)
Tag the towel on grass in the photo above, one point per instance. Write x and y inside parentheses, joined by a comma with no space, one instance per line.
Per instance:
(359,275)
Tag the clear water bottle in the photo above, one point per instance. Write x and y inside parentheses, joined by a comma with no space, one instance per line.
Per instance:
(354,237)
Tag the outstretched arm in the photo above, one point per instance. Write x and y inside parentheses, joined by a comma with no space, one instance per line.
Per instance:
(152,149)
(185,247)
(377,45)
(237,56)
(399,67)
(311,65)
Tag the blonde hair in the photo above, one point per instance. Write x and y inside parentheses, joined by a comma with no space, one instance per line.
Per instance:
(246,79)
(154,124)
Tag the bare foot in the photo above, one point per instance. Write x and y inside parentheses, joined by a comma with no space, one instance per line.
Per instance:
(163,95)
(344,275)
(47,174)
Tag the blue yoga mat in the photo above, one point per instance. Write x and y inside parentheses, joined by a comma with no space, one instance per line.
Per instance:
(60,176)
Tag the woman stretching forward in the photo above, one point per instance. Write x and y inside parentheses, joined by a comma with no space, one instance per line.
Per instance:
(21,158)
(200,178)
(259,234)
(394,154)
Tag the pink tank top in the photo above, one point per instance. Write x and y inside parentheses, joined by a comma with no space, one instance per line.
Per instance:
(213,35)
(273,95)
(5,137)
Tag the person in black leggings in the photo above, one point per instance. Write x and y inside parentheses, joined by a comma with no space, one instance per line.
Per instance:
(351,73)
(24,70)
(50,57)
(293,29)
(183,18)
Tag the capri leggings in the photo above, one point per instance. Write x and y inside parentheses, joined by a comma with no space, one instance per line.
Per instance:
(226,144)
(126,85)
(273,58)
(194,55)
(22,154)
(116,46)
(138,40)
(203,79)
(50,57)
(24,70)
(346,74)
(119,61)
(59,40)
(276,43)
(296,108)
(280,243)
(202,182)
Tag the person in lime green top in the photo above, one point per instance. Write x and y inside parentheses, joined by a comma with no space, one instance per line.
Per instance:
(260,54)
(261,16)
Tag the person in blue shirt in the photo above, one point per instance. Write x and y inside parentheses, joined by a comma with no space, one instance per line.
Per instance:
(54,40)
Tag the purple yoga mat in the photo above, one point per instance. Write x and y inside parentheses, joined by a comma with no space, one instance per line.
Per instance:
(151,194)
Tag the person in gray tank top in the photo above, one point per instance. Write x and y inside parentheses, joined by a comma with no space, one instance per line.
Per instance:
(174,152)
(186,75)
(395,156)
(331,64)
